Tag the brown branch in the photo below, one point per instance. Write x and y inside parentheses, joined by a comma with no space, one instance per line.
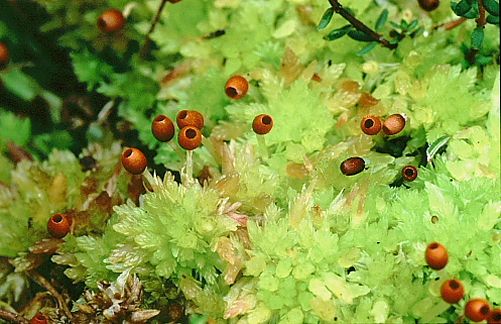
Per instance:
(147,43)
(12,317)
(38,278)
(481,21)
(451,24)
(338,8)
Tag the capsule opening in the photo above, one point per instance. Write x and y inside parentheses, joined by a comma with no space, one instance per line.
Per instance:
(369,123)
(160,118)
(128,153)
(191,133)
(231,92)
(454,284)
(485,310)
(409,172)
(266,120)
(57,218)
(434,246)
(101,22)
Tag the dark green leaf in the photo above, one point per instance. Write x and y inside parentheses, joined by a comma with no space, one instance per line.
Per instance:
(483,60)
(461,8)
(359,36)
(494,20)
(435,147)
(395,25)
(326,18)
(492,7)
(477,37)
(404,24)
(383,17)
(366,49)
(413,25)
(473,12)
(338,33)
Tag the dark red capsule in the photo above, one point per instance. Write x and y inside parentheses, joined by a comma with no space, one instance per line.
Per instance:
(236,87)
(190,138)
(134,161)
(163,128)
(452,291)
(409,173)
(110,21)
(262,124)
(371,125)
(352,166)
(394,124)
(477,309)
(59,225)
(39,318)
(436,256)
(494,316)
(190,118)
(429,5)
(4,55)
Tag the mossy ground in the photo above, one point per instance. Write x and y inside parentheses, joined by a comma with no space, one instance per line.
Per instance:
(246,228)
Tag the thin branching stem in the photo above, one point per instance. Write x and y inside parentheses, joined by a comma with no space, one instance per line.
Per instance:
(11,317)
(42,281)
(482,19)
(451,24)
(147,43)
(338,8)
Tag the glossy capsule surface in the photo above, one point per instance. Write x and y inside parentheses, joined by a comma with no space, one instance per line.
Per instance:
(352,166)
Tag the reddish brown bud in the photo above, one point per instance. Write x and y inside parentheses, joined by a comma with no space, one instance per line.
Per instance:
(352,166)
(110,21)
(262,124)
(236,87)
(436,256)
(59,225)
(134,161)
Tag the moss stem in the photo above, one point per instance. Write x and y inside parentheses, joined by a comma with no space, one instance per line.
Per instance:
(261,147)
(338,8)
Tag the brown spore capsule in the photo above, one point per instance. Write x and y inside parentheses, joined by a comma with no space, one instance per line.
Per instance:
(409,173)
(110,21)
(262,124)
(4,55)
(39,318)
(236,87)
(477,309)
(59,225)
(436,256)
(352,166)
(134,161)
(494,316)
(190,118)
(394,124)
(190,138)
(371,125)
(452,291)
(429,5)
(162,128)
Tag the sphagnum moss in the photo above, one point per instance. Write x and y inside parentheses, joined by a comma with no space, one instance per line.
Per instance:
(275,231)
